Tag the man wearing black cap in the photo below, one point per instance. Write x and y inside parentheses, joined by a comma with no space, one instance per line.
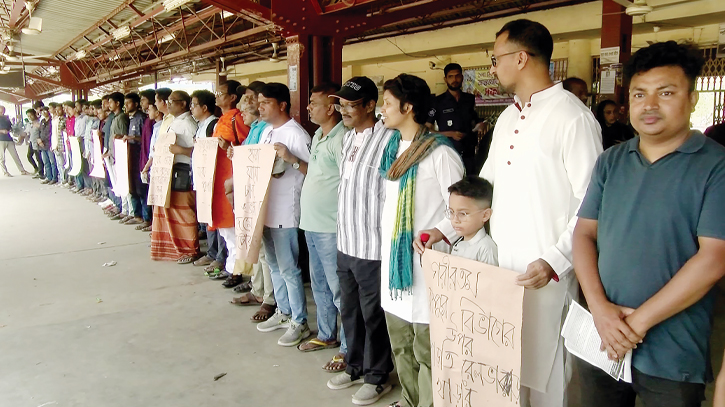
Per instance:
(454,111)
(360,206)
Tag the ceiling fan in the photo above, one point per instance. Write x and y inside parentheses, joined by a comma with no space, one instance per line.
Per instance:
(13,56)
(640,8)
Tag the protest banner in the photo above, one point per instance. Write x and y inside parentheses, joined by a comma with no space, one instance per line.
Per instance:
(161,171)
(252,167)
(97,170)
(203,161)
(122,187)
(475,331)
(76,158)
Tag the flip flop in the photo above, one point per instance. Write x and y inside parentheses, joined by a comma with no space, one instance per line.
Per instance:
(265,312)
(250,300)
(186,259)
(338,360)
(317,344)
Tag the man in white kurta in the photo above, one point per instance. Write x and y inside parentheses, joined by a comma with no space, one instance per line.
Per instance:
(542,154)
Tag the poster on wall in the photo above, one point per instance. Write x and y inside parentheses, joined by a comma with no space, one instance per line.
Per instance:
(292,78)
(484,87)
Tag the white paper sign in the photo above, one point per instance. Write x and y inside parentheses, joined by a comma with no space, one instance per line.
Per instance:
(608,56)
(608,83)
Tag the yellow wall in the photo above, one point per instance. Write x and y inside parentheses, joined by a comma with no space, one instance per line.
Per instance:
(576,31)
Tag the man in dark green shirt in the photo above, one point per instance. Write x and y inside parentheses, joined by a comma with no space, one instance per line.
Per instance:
(649,245)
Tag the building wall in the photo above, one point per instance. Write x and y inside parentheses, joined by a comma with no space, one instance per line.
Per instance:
(575,29)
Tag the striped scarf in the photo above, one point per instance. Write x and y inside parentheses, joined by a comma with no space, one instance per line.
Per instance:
(405,169)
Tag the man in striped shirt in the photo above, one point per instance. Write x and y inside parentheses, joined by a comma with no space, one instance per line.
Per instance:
(360,204)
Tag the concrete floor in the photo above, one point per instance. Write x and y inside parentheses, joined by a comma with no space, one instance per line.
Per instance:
(142,333)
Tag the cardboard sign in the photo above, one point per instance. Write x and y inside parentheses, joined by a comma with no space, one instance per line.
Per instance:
(76,158)
(252,167)
(203,161)
(475,331)
(120,165)
(97,170)
(161,171)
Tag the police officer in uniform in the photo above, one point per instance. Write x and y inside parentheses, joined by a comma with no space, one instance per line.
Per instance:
(455,114)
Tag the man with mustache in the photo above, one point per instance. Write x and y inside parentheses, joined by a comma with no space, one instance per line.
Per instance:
(454,112)
(649,245)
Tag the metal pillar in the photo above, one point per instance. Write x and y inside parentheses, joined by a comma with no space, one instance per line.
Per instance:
(616,33)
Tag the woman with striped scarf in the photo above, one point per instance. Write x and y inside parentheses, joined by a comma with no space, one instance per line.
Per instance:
(419,166)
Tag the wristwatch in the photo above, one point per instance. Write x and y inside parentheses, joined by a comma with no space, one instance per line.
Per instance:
(296,164)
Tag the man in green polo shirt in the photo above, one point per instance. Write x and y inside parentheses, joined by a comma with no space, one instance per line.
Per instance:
(649,245)
(319,221)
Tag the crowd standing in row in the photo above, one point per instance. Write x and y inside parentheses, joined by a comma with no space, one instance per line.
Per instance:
(640,226)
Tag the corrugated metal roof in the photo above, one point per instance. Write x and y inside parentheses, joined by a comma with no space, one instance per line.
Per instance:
(63,21)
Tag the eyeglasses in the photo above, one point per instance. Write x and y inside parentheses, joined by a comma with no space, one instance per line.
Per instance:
(218,93)
(347,108)
(494,58)
(461,216)
(174,100)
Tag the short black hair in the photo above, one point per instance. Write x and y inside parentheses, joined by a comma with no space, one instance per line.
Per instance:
(134,97)
(185,97)
(117,97)
(327,89)
(52,104)
(98,103)
(82,102)
(568,83)
(472,186)
(105,97)
(163,93)
(235,88)
(256,86)
(452,67)
(533,37)
(38,103)
(149,94)
(31,111)
(686,56)
(412,90)
(205,98)
(278,91)
(70,103)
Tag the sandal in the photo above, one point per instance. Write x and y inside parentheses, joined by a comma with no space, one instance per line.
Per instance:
(233,281)
(186,259)
(213,266)
(336,364)
(147,229)
(143,226)
(204,261)
(264,313)
(317,344)
(244,287)
(247,299)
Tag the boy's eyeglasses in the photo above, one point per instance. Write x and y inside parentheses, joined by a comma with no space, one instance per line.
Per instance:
(461,216)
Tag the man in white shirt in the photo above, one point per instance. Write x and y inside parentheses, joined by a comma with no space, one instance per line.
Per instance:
(542,154)
(281,227)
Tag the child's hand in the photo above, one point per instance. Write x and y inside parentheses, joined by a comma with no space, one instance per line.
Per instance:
(434,236)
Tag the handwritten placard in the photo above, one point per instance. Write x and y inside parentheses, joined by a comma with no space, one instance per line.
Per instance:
(475,332)
(97,171)
(203,160)
(76,158)
(161,170)
(120,150)
(252,167)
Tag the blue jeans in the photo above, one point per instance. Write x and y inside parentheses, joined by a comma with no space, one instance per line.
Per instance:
(325,284)
(51,169)
(282,251)
(217,249)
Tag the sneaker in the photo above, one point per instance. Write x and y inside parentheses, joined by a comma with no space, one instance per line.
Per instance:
(45,181)
(343,381)
(370,393)
(295,334)
(276,321)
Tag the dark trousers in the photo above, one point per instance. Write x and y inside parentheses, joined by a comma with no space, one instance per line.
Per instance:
(598,389)
(368,345)
(31,160)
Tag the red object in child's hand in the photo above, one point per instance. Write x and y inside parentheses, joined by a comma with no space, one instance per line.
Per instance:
(424,237)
